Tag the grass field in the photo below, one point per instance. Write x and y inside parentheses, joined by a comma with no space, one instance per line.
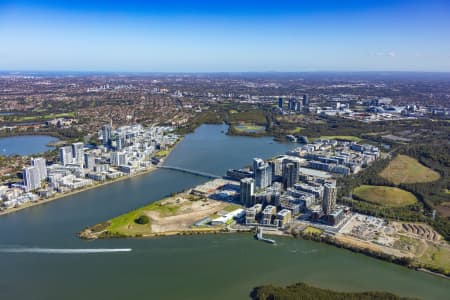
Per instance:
(251,116)
(125,222)
(44,117)
(436,256)
(249,128)
(295,130)
(163,153)
(174,214)
(349,138)
(405,169)
(228,208)
(426,253)
(384,195)
(231,207)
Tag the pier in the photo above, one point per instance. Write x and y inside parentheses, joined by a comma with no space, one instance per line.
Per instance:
(259,236)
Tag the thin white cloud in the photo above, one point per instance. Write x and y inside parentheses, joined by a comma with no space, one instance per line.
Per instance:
(385,54)
(391,54)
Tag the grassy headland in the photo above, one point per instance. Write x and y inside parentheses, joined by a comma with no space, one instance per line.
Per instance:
(177,214)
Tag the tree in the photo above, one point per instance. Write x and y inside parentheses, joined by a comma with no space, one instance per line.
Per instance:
(142,220)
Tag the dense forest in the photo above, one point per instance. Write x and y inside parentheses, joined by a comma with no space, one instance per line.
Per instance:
(302,291)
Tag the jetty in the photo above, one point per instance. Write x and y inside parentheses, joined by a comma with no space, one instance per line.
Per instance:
(259,236)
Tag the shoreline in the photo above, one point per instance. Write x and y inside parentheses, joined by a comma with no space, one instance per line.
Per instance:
(432,273)
(145,171)
(85,234)
(77,191)
(249,231)
(52,134)
(101,231)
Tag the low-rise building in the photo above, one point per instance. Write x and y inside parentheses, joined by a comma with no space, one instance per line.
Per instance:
(251,213)
(283,217)
(267,214)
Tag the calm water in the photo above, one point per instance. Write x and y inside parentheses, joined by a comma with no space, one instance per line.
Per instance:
(26,144)
(190,267)
(209,150)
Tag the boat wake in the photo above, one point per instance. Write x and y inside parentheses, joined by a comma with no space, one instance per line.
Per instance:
(63,251)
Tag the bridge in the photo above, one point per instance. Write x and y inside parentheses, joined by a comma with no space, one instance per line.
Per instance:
(194,172)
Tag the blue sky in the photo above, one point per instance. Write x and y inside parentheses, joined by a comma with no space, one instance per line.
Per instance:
(197,36)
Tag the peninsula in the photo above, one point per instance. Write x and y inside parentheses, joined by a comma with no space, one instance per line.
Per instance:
(287,195)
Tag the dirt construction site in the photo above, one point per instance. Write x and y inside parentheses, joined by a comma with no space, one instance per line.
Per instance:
(416,240)
(187,213)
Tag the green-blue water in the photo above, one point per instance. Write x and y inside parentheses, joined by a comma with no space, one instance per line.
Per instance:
(185,267)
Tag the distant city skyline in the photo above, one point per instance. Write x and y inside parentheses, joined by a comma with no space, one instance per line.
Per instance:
(233,36)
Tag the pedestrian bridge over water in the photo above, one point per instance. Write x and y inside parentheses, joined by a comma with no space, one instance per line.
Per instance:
(194,172)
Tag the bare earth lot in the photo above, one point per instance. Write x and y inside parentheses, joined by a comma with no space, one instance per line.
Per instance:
(188,213)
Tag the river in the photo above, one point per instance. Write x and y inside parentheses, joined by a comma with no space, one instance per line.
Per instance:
(180,267)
